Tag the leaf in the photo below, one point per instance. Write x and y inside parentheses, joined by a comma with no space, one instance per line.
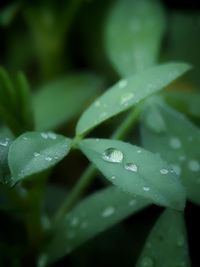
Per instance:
(34,152)
(61,100)
(4,169)
(179,145)
(127,93)
(134,31)
(186,102)
(94,214)
(8,13)
(136,171)
(167,243)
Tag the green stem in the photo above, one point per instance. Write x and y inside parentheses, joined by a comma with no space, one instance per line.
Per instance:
(88,175)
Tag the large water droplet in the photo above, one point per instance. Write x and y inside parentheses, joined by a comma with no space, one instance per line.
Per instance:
(175,143)
(147,262)
(108,211)
(131,167)
(112,155)
(194,165)
(164,171)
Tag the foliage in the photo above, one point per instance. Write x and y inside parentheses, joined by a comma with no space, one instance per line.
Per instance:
(117,107)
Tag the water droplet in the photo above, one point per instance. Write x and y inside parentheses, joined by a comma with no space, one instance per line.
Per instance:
(131,167)
(97,103)
(25,138)
(176,168)
(74,221)
(36,154)
(146,188)
(175,142)
(132,202)
(112,155)
(48,158)
(194,165)
(4,143)
(164,171)
(113,177)
(147,262)
(139,151)
(52,135)
(108,211)
(122,83)
(126,98)
(44,135)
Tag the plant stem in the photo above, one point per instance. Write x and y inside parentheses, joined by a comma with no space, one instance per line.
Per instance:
(88,175)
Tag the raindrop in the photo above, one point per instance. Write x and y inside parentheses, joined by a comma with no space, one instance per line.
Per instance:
(194,165)
(108,211)
(176,168)
(113,177)
(4,143)
(146,188)
(175,143)
(147,262)
(164,171)
(52,135)
(126,98)
(48,158)
(122,83)
(131,167)
(44,135)
(112,155)
(36,154)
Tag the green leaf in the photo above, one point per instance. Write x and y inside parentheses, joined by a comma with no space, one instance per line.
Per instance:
(93,215)
(179,145)
(61,100)
(184,101)
(133,34)
(4,169)
(8,13)
(136,171)
(34,152)
(127,93)
(167,243)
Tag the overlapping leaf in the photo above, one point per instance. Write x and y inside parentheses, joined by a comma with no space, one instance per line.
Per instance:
(59,101)
(133,34)
(136,171)
(128,92)
(167,243)
(178,146)
(4,169)
(93,215)
(34,152)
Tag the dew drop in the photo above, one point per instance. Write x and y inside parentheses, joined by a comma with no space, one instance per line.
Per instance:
(164,171)
(122,83)
(194,165)
(175,143)
(176,168)
(52,135)
(44,135)
(147,262)
(25,138)
(131,167)
(108,212)
(36,154)
(4,143)
(146,188)
(112,155)
(113,177)
(48,158)
(97,103)
(126,98)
